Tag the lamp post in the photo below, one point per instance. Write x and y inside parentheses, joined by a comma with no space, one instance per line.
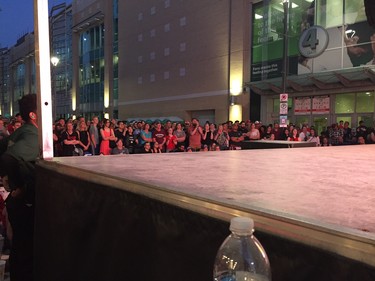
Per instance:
(284,95)
(285,45)
(55,61)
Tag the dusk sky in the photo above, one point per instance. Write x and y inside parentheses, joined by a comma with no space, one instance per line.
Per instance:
(17,19)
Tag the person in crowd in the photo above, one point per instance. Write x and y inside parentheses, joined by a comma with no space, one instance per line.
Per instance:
(107,135)
(180,135)
(114,124)
(121,130)
(95,136)
(304,134)
(16,122)
(361,140)
(189,149)
(146,148)
(16,125)
(294,136)
(269,135)
(119,149)
(347,133)
(171,141)
(371,135)
(195,135)
(137,129)
(242,128)
(325,141)
(145,135)
(159,136)
(18,163)
(84,138)
(361,130)
(235,138)
(336,135)
(285,134)
(262,131)
(341,124)
(253,133)
(70,140)
(4,134)
(313,137)
(222,138)
(276,131)
(131,141)
(156,148)
(186,130)
(208,135)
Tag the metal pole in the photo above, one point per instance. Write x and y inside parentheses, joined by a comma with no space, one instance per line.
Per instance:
(43,77)
(285,46)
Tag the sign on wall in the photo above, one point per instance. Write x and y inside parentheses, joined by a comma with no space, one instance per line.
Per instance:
(302,106)
(320,105)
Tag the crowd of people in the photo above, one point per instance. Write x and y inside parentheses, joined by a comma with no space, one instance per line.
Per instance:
(108,137)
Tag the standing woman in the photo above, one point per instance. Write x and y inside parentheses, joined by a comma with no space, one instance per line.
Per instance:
(253,133)
(107,134)
(222,138)
(145,135)
(180,135)
(84,138)
(208,135)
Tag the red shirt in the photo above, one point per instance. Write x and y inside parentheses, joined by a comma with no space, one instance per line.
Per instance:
(170,142)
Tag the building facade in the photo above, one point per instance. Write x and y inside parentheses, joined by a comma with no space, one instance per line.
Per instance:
(17,73)
(211,59)
(184,59)
(330,75)
(60,19)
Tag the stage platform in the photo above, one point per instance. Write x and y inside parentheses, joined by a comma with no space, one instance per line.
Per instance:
(266,144)
(321,197)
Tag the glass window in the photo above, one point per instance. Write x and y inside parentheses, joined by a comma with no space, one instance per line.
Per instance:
(330,13)
(354,11)
(345,103)
(345,119)
(365,102)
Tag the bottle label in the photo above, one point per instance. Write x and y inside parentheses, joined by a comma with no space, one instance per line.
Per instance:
(240,276)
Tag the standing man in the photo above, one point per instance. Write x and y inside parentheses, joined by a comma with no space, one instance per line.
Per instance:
(94,135)
(195,135)
(18,163)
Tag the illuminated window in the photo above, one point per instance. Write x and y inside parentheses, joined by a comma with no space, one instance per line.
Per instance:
(345,103)
(365,102)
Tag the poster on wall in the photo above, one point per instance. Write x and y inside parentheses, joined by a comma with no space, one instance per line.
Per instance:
(302,106)
(320,105)
(283,121)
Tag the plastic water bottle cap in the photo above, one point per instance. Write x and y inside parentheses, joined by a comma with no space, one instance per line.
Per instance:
(241,225)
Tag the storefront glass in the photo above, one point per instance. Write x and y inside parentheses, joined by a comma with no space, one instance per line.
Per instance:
(345,103)
(365,102)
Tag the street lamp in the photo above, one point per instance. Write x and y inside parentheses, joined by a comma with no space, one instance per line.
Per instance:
(285,45)
(55,61)
(284,95)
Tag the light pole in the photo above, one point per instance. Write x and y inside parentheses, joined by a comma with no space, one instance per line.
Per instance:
(55,61)
(285,45)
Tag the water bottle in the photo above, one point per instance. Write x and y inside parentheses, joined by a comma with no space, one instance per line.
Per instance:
(241,257)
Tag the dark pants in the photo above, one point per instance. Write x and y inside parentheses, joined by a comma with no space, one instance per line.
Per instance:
(21,218)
